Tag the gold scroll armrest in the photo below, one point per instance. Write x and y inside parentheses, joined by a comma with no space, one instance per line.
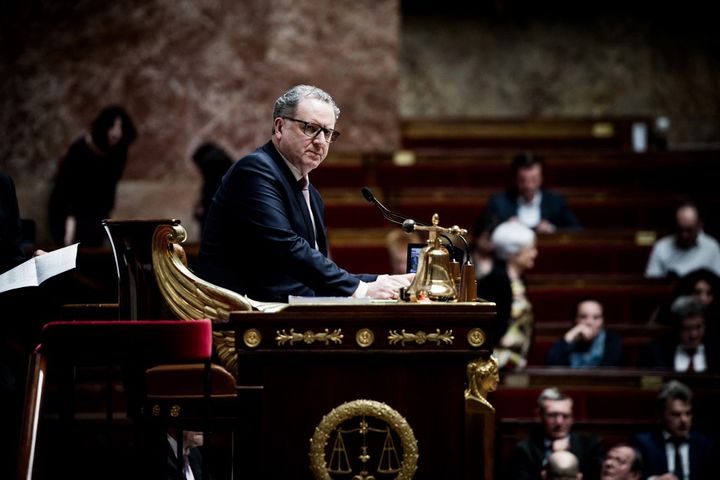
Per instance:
(190,297)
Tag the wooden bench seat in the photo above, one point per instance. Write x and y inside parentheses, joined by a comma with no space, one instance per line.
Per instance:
(638,210)
(671,171)
(623,303)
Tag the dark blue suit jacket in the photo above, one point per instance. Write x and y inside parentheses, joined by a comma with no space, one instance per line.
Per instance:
(652,448)
(258,237)
(553,208)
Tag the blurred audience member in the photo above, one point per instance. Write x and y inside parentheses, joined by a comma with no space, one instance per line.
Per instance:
(515,252)
(703,285)
(688,249)
(673,451)
(23,312)
(11,253)
(587,343)
(685,350)
(555,410)
(483,251)
(84,192)
(527,202)
(397,242)
(213,162)
(622,462)
(562,466)
(192,460)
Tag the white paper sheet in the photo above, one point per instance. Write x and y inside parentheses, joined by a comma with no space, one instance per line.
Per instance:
(38,269)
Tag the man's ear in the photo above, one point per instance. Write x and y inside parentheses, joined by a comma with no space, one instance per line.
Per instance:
(543,474)
(579,476)
(277,125)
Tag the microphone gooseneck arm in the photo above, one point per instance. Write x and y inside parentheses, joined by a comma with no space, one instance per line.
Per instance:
(386,213)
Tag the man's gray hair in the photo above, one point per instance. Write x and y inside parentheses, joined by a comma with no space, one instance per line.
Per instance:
(551,393)
(674,390)
(687,306)
(287,103)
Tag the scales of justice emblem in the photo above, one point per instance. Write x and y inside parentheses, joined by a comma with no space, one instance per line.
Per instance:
(363,440)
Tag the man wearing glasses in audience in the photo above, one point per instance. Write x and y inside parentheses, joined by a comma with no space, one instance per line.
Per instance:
(264,235)
(531,456)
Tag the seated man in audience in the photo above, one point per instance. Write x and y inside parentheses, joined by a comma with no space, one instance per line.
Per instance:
(673,452)
(686,250)
(562,465)
(529,203)
(555,410)
(587,343)
(685,350)
(622,462)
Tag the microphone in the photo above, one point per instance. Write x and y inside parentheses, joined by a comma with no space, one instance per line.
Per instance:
(387,214)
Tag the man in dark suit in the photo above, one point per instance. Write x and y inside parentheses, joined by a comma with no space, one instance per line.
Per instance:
(540,209)
(686,348)
(265,235)
(673,452)
(555,410)
(191,463)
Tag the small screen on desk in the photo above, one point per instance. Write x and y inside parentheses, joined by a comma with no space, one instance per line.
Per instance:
(413,256)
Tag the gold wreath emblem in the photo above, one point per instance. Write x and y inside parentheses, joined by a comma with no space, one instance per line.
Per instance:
(476,337)
(364,337)
(252,337)
(363,408)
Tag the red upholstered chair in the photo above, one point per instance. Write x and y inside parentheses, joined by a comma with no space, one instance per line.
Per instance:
(135,345)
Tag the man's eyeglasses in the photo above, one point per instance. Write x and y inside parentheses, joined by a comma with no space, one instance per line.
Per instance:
(312,129)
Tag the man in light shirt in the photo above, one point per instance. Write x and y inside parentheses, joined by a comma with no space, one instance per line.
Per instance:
(688,249)
(673,451)
(542,210)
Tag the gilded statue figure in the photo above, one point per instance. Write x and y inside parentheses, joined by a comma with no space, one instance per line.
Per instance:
(483,377)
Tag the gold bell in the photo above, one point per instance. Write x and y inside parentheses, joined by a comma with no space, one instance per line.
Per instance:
(434,279)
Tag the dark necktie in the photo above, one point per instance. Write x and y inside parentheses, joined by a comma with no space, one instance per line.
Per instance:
(691,354)
(678,471)
(305,186)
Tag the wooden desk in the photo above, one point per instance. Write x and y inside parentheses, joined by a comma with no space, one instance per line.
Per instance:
(303,369)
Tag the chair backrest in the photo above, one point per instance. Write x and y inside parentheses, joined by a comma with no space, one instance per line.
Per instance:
(135,342)
(138,295)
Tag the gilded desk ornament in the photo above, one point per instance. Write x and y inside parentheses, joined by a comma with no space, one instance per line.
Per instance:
(252,337)
(364,337)
(309,336)
(383,459)
(189,297)
(483,377)
(420,337)
(476,337)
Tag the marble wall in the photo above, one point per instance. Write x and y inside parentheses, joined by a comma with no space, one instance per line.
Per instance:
(187,71)
(555,66)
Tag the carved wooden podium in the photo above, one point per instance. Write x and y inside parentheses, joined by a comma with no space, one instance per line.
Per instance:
(361,391)
(371,391)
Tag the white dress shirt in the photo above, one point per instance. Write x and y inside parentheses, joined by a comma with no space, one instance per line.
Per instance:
(682,359)
(528,213)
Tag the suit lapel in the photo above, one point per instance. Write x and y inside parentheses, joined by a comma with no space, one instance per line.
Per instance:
(295,195)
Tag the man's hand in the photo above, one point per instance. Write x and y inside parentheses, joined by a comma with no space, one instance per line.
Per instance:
(546,227)
(388,286)
(579,333)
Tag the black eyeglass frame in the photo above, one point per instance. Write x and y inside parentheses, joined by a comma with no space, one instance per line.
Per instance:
(329,134)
